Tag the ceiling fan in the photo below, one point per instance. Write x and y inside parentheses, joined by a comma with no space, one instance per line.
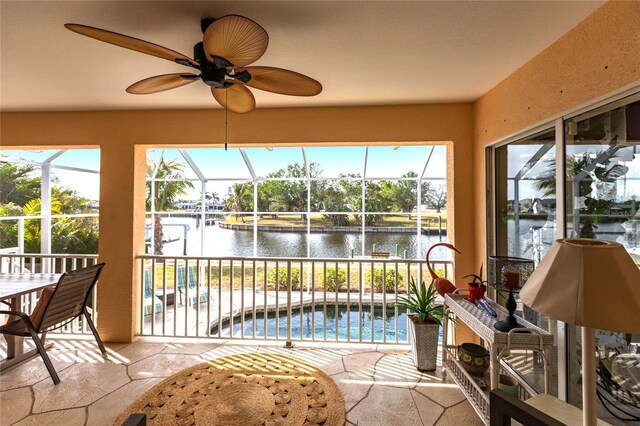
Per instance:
(229,45)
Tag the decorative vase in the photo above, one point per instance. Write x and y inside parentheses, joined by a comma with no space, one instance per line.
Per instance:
(473,358)
(423,337)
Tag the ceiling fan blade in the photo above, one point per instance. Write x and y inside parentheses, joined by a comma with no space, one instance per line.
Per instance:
(235,98)
(281,81)
(132,43)
(160,83)
(237,39)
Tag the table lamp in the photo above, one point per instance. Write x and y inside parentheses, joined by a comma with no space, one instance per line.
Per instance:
(508,274)
(590,283)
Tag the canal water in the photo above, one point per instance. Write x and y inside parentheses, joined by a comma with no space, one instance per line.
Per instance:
(226,242)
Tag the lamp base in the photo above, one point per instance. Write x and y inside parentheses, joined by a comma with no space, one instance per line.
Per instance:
(510,322)
(507,324)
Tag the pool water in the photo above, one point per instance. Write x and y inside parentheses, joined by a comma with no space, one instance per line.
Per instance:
(348,325)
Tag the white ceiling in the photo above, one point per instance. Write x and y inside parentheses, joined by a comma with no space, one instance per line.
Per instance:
(363,52)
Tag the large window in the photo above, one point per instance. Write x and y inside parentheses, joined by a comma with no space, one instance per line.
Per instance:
(526,196)
(598,196)
(603,202)
(320,202)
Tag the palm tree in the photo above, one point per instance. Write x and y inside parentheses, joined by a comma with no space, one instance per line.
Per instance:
(167,178)
(17,185)
(585,171)
(240,198)
(209,197)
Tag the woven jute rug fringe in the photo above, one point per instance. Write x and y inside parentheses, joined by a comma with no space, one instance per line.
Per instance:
(244,390)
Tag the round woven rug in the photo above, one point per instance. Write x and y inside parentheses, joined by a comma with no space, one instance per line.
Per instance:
(244,390)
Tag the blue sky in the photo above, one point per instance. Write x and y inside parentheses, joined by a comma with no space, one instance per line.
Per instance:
(383,162)
(86,184)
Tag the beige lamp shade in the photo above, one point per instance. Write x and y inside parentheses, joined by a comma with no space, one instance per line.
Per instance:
(587,282)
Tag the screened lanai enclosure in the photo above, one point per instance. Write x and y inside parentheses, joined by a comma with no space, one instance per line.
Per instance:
(296,202)
(275,243)
(49,201)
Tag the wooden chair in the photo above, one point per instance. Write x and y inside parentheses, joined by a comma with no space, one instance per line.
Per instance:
(57,307)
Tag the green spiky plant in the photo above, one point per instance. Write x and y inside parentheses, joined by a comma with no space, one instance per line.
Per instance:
(422,302)
(477,279)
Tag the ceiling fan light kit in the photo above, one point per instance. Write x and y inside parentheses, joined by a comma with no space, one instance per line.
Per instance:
(229,45)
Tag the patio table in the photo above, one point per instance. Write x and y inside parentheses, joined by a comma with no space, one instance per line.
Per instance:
(12,288)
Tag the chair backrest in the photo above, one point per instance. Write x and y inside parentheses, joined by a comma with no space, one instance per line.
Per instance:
(180,277)
(193,283)
(70,296)
(147,284)
(191,277)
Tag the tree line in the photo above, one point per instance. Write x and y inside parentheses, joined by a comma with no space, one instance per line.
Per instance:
(284,190)
(340,198)
(20,196)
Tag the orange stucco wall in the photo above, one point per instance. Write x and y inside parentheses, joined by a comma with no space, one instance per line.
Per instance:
(123,136)
(598,57)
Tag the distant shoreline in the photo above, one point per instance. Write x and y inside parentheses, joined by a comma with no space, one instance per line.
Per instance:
(331,229)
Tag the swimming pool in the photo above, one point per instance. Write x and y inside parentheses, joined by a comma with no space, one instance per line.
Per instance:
(348,325)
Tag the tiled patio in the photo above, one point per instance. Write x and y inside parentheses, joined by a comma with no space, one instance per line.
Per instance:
(379,383)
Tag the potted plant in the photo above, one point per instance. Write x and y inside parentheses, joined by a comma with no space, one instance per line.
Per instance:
(425,320)
(477,286)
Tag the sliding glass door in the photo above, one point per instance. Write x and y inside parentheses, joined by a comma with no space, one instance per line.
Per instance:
(525,224)
(602,195)
(596,157)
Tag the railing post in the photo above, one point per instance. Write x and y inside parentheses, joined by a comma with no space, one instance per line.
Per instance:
(21,235)
(289,343)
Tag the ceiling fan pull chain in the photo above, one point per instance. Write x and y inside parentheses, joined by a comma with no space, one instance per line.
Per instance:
(226,112)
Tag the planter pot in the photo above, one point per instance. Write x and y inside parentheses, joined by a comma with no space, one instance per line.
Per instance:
(424,343)
(476,292)
(473,358)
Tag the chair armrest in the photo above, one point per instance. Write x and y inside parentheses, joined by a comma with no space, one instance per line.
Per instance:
(24,317)
(16,313)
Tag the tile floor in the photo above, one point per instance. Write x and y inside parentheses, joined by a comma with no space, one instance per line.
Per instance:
(379,383)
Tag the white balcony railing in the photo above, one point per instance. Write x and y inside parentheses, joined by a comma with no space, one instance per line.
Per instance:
(289,299)
(346,300)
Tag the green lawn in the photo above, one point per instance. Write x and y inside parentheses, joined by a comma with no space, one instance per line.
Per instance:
(430,219)
(321,278)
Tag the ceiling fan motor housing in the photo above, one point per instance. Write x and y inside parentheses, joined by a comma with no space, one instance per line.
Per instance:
(205,22)
(211,73)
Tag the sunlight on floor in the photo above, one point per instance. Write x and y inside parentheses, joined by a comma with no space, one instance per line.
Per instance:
(379,383)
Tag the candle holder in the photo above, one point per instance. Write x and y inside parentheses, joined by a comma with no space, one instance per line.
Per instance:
(508,274)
